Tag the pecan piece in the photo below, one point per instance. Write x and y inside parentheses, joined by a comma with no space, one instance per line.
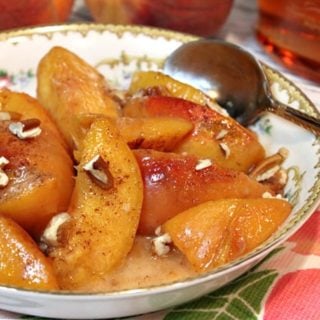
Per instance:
(25,129)
(4,179)
(98,170)
(203,163)
(161,244)
(269,166)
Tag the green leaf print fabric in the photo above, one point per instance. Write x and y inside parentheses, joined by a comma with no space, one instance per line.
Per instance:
(240,300)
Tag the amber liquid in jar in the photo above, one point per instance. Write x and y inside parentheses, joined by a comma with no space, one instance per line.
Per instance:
(290,30)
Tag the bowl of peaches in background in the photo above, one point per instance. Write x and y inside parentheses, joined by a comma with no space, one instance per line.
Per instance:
(200,17)
(24,13)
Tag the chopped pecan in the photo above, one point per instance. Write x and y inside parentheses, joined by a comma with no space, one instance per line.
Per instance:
(4,179)
(269,166)
(50,234)
(98,170)
(203,163)
(25,129)
(221,134)
(225,148)
(161,244)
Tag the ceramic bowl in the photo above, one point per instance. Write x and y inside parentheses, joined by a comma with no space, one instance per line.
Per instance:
(117,51)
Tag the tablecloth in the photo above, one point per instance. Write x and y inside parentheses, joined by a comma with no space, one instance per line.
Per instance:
(286,284)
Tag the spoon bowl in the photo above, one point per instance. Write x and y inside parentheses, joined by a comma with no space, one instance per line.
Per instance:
(234,78)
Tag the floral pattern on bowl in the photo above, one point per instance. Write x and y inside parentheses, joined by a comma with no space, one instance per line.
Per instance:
(17,81)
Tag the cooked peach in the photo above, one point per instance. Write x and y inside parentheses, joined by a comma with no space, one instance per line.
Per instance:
(21,106)
(146,80)
(69,87)
(39,169)
(104,210)
(216,232)
(23,265)
(174,183)
(214,136)
(160,133)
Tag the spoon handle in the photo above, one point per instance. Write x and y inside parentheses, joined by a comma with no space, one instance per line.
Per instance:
(296,116)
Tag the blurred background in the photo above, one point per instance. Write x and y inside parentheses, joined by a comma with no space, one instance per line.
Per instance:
(284,34)
(239,23)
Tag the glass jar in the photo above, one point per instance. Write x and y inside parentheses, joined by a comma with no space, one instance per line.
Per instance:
(290,30)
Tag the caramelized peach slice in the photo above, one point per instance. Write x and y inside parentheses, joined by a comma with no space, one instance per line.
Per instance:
(146,80)
(68,87)
(39,169)
(21,106)
(160,133)
(217,232)
(23,265)
(174,183)
(105,209)
(214,136)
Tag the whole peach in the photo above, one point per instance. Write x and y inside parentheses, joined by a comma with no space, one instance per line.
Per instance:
(23,13)
(201,17)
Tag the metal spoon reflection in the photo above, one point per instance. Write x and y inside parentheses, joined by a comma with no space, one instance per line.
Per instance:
(234,77)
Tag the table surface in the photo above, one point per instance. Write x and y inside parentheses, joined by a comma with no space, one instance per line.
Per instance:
(288,284)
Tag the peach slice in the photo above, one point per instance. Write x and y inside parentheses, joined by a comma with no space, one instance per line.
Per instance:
(216,232)
(104,210)
(23,265)
(22,107)
(214,136)
(174,183)
(159,133)
(69,87)
(144,80)
(39,169)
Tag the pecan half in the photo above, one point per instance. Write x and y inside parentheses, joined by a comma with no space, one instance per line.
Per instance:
(269,166)
(25,129)
(50,234)
(98,170)
(4,179)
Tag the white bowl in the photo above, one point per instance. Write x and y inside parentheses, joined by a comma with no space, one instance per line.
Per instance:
(116,51)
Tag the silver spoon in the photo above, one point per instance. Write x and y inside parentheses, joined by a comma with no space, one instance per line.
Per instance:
(234,77)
